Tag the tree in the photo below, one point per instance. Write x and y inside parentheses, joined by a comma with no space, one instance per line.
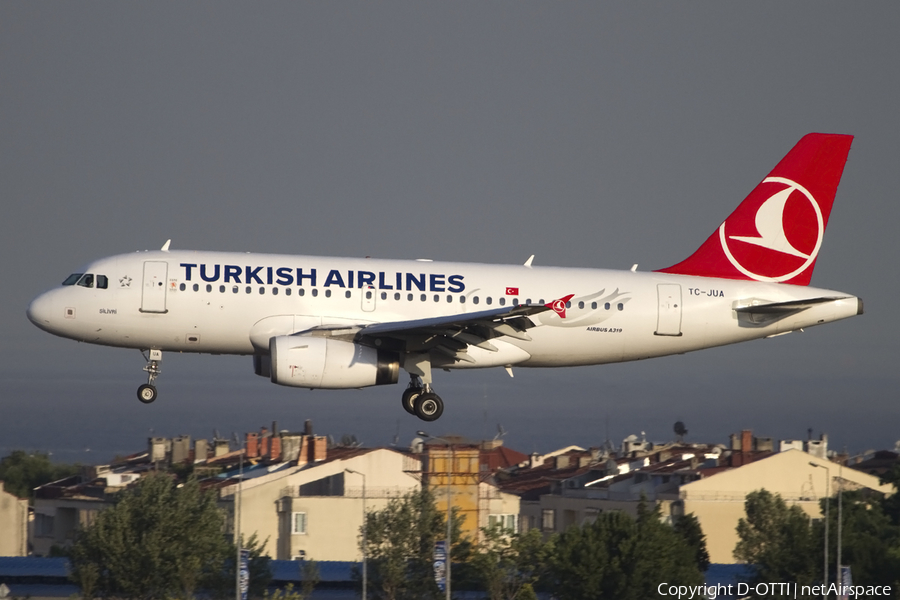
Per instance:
(508,564)
(778,540)
(157,541)
(21,472)
(400,546)
(622,558)
(688,527)
(260,572)
(309,577)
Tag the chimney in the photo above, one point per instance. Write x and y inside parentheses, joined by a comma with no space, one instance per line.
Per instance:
(307,427)
(263,441)
(201,450)
(252,445)
(746,440)
(303,455)
(318,447)
(535,460)
(275,448)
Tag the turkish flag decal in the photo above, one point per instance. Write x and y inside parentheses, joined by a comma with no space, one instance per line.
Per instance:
(511,291)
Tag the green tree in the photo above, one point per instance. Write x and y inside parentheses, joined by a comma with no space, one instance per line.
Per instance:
(688,527)
(157,541)
(778,541)
(508,564)
(259,567)
(622,558)
(21,472)
(400,546)
(309,577)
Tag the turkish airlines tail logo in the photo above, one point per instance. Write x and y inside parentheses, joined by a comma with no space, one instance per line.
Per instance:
(775,234)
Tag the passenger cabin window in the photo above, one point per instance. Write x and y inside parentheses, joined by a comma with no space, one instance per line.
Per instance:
(72,279)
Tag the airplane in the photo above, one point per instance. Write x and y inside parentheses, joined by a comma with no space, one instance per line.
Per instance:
(337,323)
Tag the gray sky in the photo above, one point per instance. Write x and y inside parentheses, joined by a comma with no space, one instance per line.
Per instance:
(588,134)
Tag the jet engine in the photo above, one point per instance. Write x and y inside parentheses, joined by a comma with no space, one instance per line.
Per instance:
(318,362)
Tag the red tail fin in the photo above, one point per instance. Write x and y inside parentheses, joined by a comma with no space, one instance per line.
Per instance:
(776,232)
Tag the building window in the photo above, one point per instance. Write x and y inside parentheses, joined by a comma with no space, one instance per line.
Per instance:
(43,525)
(548,519)
(507,522)
(298,523)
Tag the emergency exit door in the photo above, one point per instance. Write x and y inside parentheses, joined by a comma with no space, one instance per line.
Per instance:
(668,320)
(153,292)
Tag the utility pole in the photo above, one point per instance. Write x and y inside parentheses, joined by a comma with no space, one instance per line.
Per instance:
(827,504)
(365,578)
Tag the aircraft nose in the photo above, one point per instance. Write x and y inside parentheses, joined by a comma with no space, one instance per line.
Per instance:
(40,311)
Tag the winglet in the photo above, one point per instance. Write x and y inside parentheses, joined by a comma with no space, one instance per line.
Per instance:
(165,247)
(559,306)
(528,262)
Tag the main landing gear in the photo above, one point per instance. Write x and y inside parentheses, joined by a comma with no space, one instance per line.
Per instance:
(419,399)
(146,393)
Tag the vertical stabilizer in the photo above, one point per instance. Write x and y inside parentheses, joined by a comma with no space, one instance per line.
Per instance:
(775,234)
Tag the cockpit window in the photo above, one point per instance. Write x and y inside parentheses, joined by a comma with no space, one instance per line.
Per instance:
(72,279)
(102,282)
(87,280)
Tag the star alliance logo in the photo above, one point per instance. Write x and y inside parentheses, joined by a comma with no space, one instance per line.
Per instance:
(125,281)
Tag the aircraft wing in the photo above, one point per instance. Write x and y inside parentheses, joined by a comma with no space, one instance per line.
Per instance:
(450,335)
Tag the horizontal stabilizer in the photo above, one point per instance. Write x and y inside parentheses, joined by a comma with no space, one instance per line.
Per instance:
(784,308)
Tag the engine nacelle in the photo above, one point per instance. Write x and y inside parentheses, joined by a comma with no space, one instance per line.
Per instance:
(318,362)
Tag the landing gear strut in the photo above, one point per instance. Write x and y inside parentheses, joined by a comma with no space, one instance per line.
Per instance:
(419,399)
(146,393)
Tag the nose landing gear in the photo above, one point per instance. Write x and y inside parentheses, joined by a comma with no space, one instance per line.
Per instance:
(146,393)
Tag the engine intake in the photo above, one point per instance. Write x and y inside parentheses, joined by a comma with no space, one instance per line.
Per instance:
(317,362)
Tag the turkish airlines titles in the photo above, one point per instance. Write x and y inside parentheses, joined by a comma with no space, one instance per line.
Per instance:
(285,276)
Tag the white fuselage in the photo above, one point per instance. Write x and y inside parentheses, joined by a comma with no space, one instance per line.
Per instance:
(233,303)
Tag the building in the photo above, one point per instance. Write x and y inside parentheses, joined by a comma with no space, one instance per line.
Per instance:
(573,486)
(13,524)
(462,472)
(314,509)
(801,479)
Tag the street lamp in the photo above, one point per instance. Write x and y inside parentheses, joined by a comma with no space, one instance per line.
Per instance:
(449,508)
(365,577)
(827,503)
(237,520)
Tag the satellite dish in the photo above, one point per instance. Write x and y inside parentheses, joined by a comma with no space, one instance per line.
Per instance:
(417,445)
